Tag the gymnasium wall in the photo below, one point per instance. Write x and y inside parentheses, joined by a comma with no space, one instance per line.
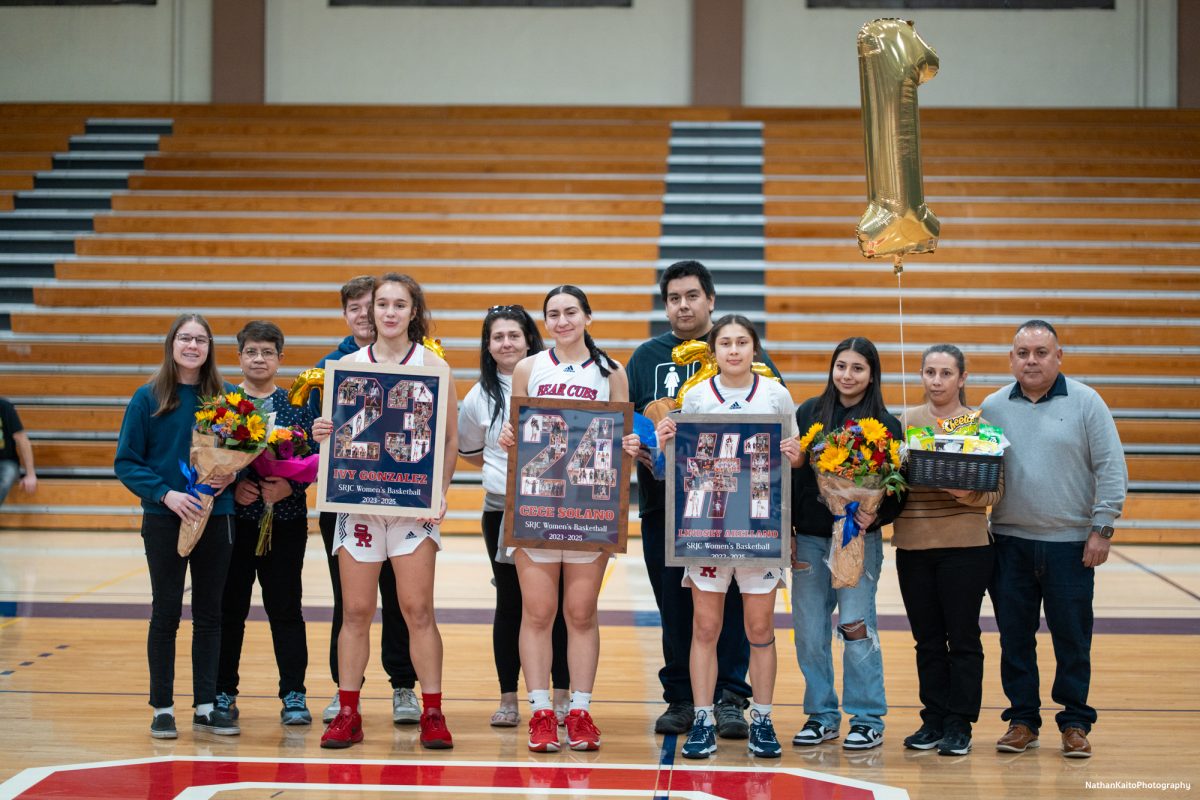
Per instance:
(793,55)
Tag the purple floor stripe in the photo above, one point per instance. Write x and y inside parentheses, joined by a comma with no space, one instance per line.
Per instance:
(1165,626)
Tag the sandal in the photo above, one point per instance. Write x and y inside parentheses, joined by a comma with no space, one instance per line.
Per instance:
(506,717)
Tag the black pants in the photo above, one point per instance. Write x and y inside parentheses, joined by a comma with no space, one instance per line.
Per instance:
(506,627)
(675,605)
(278,574)
(943,590)
(168,574)
(397,662)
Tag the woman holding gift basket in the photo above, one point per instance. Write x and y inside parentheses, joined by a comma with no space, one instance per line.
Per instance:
(836,563)
(153,454)
(402,322)
(509,335)
(944,563)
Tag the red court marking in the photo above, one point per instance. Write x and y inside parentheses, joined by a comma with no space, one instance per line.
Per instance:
(166,778)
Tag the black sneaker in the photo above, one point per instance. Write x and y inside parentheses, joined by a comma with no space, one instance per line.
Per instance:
(227,703)
(926,738)
(731,717)
(956,742)
(163,727)
(813,733)
(676,719)
(216,721)
(862,737)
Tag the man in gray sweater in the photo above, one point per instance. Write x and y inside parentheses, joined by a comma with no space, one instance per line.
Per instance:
(1065,481)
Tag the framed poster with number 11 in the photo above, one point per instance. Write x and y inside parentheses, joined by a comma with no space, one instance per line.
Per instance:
(728,491)
(568,478)
(386,452)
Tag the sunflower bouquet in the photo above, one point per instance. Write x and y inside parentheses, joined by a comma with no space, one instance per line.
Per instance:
(230,432)
(857,465)
(287,455)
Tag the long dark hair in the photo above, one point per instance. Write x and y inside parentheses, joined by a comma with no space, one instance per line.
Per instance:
(420,322)
(872,403)
(959,359)
(603,360)
(489,374)
(165,381)
(734,319)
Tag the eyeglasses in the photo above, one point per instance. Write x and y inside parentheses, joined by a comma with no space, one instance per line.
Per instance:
(516,308)
(187,338)
(253,354)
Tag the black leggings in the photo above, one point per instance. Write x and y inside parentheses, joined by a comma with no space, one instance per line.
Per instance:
(506,628)
(278,572)
(168,574)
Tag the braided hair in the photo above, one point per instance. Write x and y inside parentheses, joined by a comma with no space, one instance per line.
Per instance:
(603,360)
(489,374)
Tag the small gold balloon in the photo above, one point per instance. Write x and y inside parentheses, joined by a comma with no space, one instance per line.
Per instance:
(760,368)
(688,353)
(434,346)
(305,382)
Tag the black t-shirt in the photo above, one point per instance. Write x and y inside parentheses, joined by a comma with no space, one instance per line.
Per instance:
(10,423)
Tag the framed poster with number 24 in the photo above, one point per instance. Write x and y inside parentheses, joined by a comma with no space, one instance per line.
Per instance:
(568,478)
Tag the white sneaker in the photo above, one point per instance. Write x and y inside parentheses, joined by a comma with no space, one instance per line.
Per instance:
(862,737)
(331,710)
(405,708)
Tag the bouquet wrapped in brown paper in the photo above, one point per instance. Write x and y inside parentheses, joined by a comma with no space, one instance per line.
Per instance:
(856,466)
(230,433)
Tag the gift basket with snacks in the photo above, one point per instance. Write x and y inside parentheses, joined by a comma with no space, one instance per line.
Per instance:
(956,453)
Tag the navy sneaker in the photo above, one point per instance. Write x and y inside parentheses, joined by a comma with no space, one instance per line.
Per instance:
(763,741)
(163,727)
(216,721)
(295,710)
(702,741)
(927,737)
(227,703)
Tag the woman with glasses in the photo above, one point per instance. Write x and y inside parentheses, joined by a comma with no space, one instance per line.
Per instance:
(156,436)
(509,335)
(573,368)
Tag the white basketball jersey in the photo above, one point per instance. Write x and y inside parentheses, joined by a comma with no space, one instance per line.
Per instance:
(552,378)
(762,396)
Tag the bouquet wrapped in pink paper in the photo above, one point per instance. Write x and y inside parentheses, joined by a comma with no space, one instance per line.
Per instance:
(287,455)
(230,433)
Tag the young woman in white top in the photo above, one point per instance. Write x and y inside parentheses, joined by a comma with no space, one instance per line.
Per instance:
(574,368)
(736,389)
(509,335)
(402,321)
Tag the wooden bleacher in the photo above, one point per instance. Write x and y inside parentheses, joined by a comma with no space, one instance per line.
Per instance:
(262,212)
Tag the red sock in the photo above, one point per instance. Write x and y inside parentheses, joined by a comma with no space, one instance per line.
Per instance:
(348,699)
(431,700)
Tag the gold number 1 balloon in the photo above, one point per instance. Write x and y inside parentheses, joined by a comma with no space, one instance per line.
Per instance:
(892,61)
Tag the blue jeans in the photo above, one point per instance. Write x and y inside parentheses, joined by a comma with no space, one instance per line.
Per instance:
(813,601)
(9,472)
(1030,575)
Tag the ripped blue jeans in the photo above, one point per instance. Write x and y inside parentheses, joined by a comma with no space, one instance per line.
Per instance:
(813,601)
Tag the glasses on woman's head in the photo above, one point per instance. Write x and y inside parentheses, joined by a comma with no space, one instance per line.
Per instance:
(187,338)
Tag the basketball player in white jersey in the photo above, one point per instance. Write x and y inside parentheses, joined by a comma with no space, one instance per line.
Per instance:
(363,542)
(736,389)
(575,369)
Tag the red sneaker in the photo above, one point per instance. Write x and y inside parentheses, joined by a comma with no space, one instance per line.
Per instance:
(345,730)
(434,733)
(582,733)
(543,731)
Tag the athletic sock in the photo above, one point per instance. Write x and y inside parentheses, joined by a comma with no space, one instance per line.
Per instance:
(348,699)
(165,710)
(763,710)
(580,701)
(707,712)
(539,700)
(203,709)
(431,700)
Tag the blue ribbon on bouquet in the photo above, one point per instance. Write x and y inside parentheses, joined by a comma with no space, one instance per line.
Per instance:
(850,528)
(193,488)
(646,434)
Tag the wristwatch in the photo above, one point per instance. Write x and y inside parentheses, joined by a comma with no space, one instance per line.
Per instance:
(1105,531)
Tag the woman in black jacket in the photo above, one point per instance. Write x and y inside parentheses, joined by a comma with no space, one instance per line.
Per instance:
(852,392)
